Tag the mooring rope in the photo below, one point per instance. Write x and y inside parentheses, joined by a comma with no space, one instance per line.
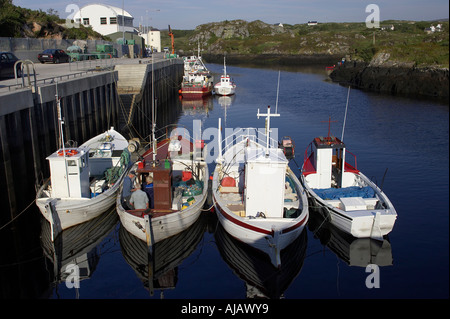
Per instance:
(15,217)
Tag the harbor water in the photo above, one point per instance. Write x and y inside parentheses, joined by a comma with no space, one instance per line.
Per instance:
(400,142)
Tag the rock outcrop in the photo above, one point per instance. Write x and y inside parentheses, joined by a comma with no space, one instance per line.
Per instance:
(385,76)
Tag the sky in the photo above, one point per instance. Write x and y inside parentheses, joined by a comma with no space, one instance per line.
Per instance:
(187,14)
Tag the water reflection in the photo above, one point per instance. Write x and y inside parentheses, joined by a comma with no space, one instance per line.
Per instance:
(160,270)
(200,106)
(76,245)
(262,280)
(353,251)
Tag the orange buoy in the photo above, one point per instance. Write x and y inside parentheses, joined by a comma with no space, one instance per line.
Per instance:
(68,152)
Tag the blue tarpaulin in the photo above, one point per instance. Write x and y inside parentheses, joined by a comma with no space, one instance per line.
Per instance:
(353,191)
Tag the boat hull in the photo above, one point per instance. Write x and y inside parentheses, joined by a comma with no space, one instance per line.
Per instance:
(224,90)
(363,223)
(163,225)
(69,212)
(263,237)
(269,235)
(190,92)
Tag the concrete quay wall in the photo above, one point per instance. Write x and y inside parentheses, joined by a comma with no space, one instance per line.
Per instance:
(89,105)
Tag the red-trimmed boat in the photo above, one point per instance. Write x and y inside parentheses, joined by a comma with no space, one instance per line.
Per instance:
(180,186)
(258,199)
(344,195)
(197,80)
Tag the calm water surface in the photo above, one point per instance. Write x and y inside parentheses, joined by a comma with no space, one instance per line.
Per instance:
(404,139)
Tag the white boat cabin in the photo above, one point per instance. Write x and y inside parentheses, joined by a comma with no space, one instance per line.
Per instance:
(81,172)
(324,165)
(265,177)
(69,171)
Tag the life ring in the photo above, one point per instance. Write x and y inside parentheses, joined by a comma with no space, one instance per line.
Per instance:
(68,152)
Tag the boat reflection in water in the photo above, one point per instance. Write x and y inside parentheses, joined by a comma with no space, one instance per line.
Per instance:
(200,105)
(353,251)
(76,245)
(160,270)
(262,280)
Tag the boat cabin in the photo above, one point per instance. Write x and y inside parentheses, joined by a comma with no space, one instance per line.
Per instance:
(323,166)
(265,176)
(69,171)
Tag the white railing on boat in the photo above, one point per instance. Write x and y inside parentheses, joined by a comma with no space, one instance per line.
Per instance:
(251,134)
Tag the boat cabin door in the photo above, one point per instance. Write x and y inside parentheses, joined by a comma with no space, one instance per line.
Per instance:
(337,161)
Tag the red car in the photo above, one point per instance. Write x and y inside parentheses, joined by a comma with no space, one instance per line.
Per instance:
(54,56)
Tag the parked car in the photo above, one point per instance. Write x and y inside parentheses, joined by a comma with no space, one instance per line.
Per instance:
(53,55)
(7,61)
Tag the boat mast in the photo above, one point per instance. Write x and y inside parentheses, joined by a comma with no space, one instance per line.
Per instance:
(61,135)
(153,116)
(345,116)
(268,115)
(219,141)
(224,68)
(278,91)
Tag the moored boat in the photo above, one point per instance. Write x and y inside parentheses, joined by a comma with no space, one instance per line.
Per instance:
(226,85)
(258,199)
(197,80)
(351,201)
(180,186)
(83,180)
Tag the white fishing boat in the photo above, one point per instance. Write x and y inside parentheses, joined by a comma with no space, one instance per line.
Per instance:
(180,187)
(258,199)
(83,180)
(351,201)
(226,86)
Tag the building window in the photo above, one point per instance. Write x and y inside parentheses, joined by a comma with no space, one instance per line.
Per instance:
(113,20)
(102,20)
(85,21)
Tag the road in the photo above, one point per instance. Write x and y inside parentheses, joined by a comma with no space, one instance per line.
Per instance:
(48,72)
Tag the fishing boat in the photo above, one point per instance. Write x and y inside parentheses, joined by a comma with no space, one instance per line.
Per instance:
(350,200)
(197,84)
(226,86)
(197,80)
(180,186)
(258,198)
(83,180)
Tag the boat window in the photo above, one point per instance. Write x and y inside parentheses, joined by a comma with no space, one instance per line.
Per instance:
(71,163)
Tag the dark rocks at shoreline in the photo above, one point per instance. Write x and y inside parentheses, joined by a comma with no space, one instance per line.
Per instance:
(404,79)
(274,59)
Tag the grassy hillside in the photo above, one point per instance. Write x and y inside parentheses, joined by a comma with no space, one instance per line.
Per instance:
(408,42)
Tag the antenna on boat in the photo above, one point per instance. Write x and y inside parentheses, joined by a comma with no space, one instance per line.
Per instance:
(268,115)
(224,67)
(345,116)
(219,141)
(278,91)
(61,135)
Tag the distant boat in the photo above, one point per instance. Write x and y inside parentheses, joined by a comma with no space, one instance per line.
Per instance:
(226,86)
(258,199)
(83,180)
(197,80)
(351,201)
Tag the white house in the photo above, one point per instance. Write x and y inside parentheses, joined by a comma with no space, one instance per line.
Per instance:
(153,39)
(105,19)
